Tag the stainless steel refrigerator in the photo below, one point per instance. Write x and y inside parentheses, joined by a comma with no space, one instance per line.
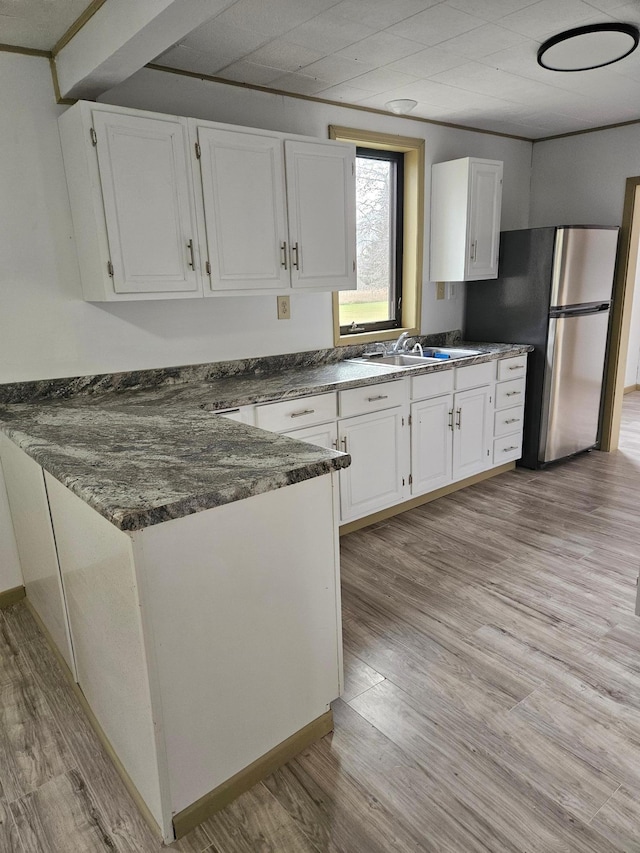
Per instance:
(554,292)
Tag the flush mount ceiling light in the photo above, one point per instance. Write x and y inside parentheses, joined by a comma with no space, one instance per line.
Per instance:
(588,47)
(401,106)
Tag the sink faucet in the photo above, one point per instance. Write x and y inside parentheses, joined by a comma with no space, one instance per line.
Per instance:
(401,344)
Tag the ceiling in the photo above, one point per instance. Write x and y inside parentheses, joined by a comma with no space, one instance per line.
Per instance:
(470,62)
(37,23)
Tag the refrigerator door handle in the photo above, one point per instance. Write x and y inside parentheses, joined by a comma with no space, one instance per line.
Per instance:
(581,311)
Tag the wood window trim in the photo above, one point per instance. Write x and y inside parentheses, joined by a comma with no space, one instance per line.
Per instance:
(413,149)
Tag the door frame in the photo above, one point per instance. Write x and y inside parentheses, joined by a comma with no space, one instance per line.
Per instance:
(623,287)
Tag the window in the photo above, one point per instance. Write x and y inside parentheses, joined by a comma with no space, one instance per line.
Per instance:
(390,235)
(377,302)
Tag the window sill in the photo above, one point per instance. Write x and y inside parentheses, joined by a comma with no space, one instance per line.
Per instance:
(371,337)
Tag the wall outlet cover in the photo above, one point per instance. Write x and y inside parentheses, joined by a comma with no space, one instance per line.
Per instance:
(284,307)
(440,290)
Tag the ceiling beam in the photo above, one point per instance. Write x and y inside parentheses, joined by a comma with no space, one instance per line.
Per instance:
(121,36)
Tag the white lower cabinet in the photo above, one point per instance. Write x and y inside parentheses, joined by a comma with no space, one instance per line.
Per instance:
(379,472)
(431,444)
(472,432)
(325,435)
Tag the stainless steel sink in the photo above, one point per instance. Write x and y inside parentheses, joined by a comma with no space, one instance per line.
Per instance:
(404,360)
(452,352)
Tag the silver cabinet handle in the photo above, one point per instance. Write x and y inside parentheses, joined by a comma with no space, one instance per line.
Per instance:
(474,249)
(192,262)
(512,393)
(283,254)
(451,419)
(301,413)
(379,397)
(343,442)
(459,418)
(294,257)
(512,420)
(516,367)
(334,444)
(508,449)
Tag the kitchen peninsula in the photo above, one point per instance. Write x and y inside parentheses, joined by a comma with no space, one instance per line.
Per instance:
(186,566)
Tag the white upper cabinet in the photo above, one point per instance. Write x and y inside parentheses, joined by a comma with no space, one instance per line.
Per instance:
(321,203)
(277,213)
(466,201)
(245,210)
(131,202)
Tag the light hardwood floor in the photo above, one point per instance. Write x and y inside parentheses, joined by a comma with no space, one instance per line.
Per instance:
(492,699)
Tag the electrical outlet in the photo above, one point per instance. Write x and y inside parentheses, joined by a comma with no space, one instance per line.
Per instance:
(451,290)
(284,308)
(440,294)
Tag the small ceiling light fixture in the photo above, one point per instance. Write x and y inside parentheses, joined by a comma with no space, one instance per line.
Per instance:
(401,106)
(584,48)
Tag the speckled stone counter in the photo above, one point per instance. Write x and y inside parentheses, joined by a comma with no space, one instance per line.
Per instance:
(144,456)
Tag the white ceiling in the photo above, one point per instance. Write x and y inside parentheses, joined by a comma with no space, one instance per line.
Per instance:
(37,23)
(470,62)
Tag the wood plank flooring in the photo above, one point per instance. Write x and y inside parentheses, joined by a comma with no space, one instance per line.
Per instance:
(492,698)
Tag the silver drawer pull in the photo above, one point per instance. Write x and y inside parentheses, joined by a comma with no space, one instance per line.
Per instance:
(509,449)
(516,367)
(512,420)
(379,397)
(512,393)
(302,413)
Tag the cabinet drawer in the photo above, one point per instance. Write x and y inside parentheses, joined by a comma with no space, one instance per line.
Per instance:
(431,384)
(508,420)
(475,375)
(507,448)
(512,368)
(291,414)
(510,393)
(371,398)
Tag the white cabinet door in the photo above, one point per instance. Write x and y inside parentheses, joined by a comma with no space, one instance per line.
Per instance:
(472,433)
(379,471)
(147,203)
(244,205)
(322,222)
(485,202)
(431,444)
(323,436)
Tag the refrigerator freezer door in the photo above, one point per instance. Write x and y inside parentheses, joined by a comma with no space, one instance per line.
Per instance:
(573,384)
(583,265)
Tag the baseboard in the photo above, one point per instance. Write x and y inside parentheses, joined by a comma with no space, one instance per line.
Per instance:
(187,819)
(97,728)
(630,388)
(11,596)
(412,503)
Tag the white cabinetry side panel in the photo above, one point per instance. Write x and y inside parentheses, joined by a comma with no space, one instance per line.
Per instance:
(36,545)
(104,613)
(242,603)
(321,205)
(145,189)
(245,210)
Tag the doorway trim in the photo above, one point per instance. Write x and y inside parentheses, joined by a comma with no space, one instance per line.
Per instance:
(623,287)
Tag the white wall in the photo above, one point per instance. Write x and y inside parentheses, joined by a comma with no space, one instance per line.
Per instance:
(47,330)
(581,180)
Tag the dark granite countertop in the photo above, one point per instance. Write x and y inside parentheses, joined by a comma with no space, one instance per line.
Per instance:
(145,456)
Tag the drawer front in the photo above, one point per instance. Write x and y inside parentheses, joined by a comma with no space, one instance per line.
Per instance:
(292,414)
(242,414)
(507,449)
(508,420)
(475,375)
(510,393)
(431,384)
(372,398)
(512,368)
